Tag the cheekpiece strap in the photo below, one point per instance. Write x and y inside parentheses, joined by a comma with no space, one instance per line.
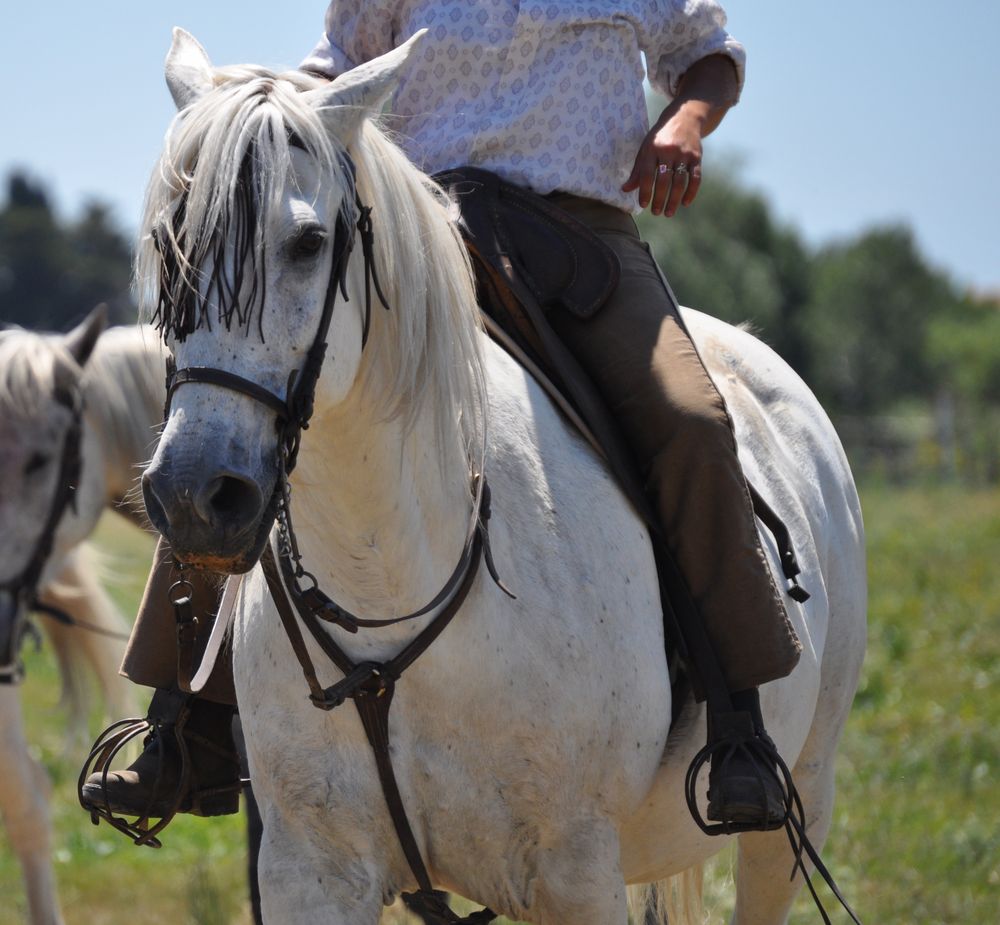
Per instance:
(23,586)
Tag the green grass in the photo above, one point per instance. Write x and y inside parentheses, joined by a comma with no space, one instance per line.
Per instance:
(197,877)
(917,833)
(916,837)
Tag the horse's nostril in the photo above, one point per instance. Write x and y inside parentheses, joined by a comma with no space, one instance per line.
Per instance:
(229,500)
(231,494)
(155,509)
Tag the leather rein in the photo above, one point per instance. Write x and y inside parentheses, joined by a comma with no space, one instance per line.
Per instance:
(369,684)
(23,588)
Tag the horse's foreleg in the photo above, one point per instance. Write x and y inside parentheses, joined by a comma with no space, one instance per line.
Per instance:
(300,884)
(96,642)
(579,880)
(24,806)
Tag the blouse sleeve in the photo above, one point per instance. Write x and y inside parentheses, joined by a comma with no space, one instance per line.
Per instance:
(682,32)
(354,31)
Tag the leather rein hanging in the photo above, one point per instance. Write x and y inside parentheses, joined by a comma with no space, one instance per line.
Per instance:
(23,587)
(369,684)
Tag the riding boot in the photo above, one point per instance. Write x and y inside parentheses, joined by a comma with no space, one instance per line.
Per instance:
(745,788)
(189,763)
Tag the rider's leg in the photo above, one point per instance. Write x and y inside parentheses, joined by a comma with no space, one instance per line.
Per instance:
(198,726)
(151,654)
(641,357)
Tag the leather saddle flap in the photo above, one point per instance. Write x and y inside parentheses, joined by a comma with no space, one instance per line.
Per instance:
(526,238)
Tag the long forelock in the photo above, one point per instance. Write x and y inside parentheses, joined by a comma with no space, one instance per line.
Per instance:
(222,169)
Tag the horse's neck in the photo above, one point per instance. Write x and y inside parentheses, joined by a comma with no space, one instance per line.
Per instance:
(381,514)
(124,396)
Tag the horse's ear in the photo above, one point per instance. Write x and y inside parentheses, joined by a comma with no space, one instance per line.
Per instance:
(81,340)
(362,91)
(188,70)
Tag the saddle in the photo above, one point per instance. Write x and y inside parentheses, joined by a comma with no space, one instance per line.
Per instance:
(534,244)
(529,256)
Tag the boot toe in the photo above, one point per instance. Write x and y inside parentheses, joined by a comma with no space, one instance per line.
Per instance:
(123,793)
(747,801)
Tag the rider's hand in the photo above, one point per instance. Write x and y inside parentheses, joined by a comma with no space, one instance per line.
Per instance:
(667,169)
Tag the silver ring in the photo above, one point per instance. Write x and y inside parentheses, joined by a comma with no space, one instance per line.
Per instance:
(681,168)
(663,168)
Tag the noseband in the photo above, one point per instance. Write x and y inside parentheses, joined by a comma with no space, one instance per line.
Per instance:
(23,588)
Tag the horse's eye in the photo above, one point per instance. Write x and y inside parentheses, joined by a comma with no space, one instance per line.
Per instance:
(308,244)
(37,462)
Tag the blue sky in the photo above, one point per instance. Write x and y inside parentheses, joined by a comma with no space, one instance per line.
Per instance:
(855,113)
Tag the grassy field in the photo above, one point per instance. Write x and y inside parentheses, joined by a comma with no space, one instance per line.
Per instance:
(917,833)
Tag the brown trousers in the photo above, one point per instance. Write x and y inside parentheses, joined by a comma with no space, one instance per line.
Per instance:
(641,358)
(151,653)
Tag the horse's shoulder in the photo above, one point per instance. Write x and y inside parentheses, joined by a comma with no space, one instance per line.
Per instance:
(535,452)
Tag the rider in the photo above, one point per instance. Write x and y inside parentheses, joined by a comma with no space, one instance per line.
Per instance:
(549,96)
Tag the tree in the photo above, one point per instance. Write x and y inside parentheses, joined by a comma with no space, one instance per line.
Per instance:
(963,349)
(102,263)
(51,274)
(865,325)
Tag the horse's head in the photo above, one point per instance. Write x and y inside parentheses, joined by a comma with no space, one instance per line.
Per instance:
(243,263)
(42,508)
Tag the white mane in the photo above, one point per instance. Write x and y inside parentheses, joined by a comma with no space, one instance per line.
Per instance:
(123,387)
(425,349)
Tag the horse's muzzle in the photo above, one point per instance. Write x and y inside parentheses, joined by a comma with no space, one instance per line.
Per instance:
(216,520)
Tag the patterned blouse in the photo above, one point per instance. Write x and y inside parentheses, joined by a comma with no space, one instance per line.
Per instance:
(546,93)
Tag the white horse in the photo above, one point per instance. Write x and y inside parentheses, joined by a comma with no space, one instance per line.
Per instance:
(119,376)
(532,740)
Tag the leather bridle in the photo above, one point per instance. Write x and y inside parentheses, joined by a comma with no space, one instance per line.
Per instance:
(369,684)
(23,588)
(294,409)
